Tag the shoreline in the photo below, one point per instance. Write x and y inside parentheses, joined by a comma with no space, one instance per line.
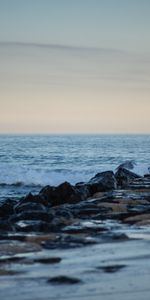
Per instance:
(81,241)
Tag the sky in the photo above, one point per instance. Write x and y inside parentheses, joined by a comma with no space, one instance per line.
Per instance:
(74,66)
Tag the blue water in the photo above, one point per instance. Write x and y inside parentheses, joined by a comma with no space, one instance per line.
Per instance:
(28,162)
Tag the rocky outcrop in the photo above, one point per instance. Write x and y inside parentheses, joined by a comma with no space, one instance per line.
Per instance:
(102,182)
(123,196)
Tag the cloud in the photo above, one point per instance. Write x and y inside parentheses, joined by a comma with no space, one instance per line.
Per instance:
(99,50)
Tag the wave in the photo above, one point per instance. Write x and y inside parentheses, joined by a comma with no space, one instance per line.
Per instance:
(19,184)
(39,178)
(138,168)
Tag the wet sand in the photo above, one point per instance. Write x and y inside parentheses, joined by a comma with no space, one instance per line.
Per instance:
(107,270)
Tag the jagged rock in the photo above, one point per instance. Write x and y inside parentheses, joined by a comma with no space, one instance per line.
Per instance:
(7,208)
(102,182)
(128,164)
(64,193)
(124,177)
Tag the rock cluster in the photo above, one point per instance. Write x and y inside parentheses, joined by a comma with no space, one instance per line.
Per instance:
(123,196)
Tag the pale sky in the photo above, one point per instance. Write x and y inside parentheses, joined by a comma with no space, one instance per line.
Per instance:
(74,66)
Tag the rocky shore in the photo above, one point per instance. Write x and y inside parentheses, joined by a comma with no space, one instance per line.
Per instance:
(109,209)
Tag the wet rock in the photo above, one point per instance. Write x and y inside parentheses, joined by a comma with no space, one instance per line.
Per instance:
(32,215)
(137,218)
(48,260)
(87,227)
(7,208)
(101,182)
(124,177)
(33,226)
(64,193)
(34,199)
(62,279)
(111,268)
(40,238)
(83,190)
(12,259)
(139,208)
(16,247)
(69,241)
(128,164)
(29,206)
(6,226)
(147,176)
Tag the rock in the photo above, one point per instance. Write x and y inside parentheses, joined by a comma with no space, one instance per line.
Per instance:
(47,260)
(32,215)
(33,226)
(111,268)
(83,190)
(61,279)
(35,198)
(30,206)
(102,182)
(6,226)
(138,218)
(128,164)
(7,208)
(124,177)
(147,176)
(64,193)
(16,247)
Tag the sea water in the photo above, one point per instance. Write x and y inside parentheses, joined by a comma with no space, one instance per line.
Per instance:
(29,162)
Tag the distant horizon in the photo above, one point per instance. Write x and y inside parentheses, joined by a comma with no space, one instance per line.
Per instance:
(69,133)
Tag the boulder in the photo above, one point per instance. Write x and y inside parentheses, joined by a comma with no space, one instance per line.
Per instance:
(34,199)
(64,193)
(101,182)
(32,215)
(7,208)
(124,177)
(29,206)
(83,190)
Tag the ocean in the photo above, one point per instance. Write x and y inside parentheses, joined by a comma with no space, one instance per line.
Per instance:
(29,162)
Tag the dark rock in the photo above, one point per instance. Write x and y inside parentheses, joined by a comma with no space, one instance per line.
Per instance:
(64,193)
(83,190)
(147,176)
(48,260)
(13,259)
(5,226)
(32,215)
(7,208)
(33,226)
(124,177)
(35,198)
(30,206)
(102,182)
(111,268)
(61,279)
(69,241)
(139,208)
(128,164)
